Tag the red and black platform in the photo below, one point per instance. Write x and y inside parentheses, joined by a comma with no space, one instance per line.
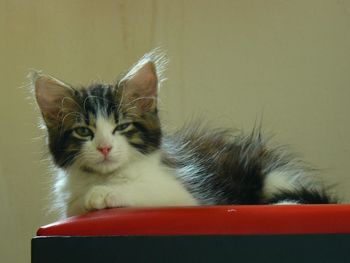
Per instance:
(291,233)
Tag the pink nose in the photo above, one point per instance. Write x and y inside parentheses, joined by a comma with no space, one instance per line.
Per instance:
(105,150)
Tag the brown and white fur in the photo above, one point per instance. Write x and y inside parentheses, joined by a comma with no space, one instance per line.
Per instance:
(110,151)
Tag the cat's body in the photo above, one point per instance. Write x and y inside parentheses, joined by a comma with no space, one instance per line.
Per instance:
(110,149)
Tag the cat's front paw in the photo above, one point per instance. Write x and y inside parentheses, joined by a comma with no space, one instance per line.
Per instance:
(100,197)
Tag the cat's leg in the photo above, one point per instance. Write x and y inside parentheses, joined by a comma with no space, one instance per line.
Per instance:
(140,193)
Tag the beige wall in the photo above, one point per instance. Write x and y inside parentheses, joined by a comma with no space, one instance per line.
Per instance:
(231,62)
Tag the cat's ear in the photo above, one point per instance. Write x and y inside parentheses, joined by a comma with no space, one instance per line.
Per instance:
(139,87)
(53,96)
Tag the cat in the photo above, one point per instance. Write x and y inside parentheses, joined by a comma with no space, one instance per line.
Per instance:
(109,148)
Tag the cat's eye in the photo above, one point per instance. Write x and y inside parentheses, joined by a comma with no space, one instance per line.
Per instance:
(83,132)
(122,127)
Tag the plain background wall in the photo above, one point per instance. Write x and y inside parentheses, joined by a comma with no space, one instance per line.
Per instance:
(231,62)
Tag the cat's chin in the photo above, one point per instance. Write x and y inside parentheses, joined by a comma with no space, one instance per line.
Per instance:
(101,168)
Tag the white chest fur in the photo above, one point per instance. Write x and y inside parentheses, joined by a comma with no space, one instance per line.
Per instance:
(145,182)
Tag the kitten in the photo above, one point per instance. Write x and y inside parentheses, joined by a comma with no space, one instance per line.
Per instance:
(110,151)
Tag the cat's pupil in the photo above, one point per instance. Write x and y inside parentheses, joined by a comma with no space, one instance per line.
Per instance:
(83,131)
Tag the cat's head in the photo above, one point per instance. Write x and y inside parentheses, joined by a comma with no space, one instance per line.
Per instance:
(100,128)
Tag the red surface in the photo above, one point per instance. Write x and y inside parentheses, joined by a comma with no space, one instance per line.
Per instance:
(211,220)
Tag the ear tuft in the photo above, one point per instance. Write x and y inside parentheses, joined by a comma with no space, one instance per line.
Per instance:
(158,58)
(141,83)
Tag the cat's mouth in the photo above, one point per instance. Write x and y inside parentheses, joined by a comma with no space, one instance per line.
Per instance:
(106,164)
(102,167)
(106,161)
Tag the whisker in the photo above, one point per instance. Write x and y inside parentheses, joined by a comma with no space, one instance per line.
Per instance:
(141,98)
(71,99)
(121,99)
(70,156)
(70,113)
